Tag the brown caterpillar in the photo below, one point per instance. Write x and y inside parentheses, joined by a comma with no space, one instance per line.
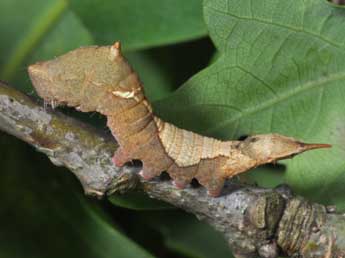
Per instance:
(100,79)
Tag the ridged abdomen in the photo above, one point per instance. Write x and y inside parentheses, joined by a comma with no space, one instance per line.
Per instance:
(196,156)
(163,147)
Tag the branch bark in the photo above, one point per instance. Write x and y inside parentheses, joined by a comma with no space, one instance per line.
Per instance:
(255,221)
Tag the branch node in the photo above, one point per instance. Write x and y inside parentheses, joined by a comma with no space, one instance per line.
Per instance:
(123,183)
(285,191)
(299,222)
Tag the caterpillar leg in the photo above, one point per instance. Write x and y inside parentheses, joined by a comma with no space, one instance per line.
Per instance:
(149,170)
(121,157)
(179,184)
(210,177)
(181,176)
(154,158)
(147,173)
(215,187)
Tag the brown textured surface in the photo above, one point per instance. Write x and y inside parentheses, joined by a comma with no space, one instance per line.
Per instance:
(100,79)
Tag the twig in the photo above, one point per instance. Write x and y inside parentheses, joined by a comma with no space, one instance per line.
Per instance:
(268,222)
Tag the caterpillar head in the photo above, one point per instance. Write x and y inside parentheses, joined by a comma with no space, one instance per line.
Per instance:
(82,77)
(267,148)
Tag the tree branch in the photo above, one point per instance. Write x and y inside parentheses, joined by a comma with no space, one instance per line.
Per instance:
(255,221)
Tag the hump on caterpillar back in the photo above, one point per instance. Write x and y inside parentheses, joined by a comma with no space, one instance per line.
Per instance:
(82,76)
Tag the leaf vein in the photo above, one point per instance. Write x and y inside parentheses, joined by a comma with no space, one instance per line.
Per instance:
(295,29)
(283,97)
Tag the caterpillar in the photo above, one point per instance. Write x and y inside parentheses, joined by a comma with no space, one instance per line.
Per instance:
(98,78)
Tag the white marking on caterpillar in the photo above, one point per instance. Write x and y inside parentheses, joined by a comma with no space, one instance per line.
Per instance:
(159,123)
(124,94)
(128,94)
(147,105)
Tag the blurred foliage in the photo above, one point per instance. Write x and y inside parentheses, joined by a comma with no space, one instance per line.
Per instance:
(141,24)
(42,29)
(273,71)
(138,201)
(44,212)
(183,234)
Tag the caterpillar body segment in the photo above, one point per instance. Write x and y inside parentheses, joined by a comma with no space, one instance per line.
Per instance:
(100,79)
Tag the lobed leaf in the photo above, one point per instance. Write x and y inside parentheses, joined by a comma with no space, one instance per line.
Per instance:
(279,71)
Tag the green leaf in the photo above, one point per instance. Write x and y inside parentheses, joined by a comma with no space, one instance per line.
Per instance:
(44,29)
(138,201)
(184,234)
(44,213)
(17,45)
(279,71)
(156,80)
(265,176)
(141,24)
(163,69)
(40,30)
